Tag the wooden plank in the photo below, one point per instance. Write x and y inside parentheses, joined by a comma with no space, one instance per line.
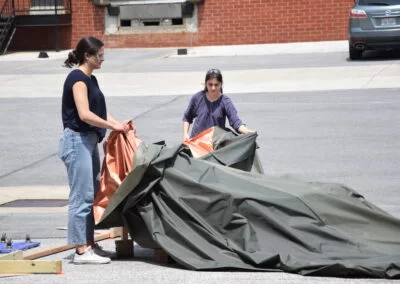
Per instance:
(97,232)
(15,255)
(124,249)
(125,233)
(30,266)
(10,275)
(162,257)
(59,248)
(116,232)
(62,228)
(47,251)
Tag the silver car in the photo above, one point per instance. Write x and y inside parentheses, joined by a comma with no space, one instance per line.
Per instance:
(373,24)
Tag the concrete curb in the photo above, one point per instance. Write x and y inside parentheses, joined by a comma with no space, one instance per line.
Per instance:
(226,50)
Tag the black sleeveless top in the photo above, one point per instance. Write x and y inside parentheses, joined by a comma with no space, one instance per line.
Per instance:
(97,103)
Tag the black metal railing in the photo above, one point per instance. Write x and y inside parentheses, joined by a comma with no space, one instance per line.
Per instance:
(42,7)
(42,12)
(31,13)
(7,24)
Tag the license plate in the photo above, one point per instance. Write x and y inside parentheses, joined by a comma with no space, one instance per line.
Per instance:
(388,22)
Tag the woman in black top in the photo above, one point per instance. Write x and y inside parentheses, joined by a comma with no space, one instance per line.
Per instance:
(85,120)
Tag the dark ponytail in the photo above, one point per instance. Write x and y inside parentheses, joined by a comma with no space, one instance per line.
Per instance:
(71,60)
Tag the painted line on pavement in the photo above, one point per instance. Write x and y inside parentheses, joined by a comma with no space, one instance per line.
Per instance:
(28,166)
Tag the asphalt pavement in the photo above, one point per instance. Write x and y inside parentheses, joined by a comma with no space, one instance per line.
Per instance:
(318,116)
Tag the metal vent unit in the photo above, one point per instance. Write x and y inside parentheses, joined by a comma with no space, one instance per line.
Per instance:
(145,15)
(142,2)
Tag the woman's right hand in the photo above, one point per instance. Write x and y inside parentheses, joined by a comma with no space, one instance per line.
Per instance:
(185,137)
(121,126)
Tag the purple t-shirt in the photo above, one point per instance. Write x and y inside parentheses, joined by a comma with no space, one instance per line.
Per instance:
(207,114)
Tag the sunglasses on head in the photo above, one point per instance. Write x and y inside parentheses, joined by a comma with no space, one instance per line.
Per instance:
(214,71)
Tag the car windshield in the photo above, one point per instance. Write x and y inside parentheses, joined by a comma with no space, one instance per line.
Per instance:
(378,2)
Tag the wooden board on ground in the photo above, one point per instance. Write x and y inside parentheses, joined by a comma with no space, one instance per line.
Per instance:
(60,248)
(162,257)
(124,249)
(15,255)
(30,266)
(116,232)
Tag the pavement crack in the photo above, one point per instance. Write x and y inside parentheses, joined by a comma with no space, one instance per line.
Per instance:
(161,105)
(376,74)
(28,166)
(157,107)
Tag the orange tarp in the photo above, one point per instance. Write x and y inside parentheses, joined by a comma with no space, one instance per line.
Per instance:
(201,144)
(119,150)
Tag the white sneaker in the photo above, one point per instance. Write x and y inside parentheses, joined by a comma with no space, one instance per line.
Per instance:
(104,253)
(89,257)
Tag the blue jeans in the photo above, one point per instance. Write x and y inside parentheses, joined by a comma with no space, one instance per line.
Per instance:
(80,154)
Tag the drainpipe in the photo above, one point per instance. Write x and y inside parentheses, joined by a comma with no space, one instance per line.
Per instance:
(56,30)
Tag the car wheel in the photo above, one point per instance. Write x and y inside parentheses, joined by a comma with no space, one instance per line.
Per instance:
(355,53)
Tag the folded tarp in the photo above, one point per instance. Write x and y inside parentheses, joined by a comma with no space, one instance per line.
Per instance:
(214,144)
(119,149)
(207,216)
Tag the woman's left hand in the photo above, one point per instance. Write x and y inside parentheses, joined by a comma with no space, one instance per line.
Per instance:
(244,130)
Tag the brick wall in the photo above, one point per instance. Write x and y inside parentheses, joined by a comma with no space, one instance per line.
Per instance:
(228,22)
(253,22)
(87,19)
(271,21)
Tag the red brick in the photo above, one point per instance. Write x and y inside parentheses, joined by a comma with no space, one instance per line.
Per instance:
(220,22)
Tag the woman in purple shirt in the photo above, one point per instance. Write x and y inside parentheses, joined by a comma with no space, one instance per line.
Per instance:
(211,107)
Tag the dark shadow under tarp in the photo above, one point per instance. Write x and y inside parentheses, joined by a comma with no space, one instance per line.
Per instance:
(210,216)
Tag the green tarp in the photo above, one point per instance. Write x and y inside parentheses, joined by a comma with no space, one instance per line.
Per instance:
(208,215)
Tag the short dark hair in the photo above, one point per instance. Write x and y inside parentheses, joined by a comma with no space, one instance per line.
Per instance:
(89,45)
(213,73)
